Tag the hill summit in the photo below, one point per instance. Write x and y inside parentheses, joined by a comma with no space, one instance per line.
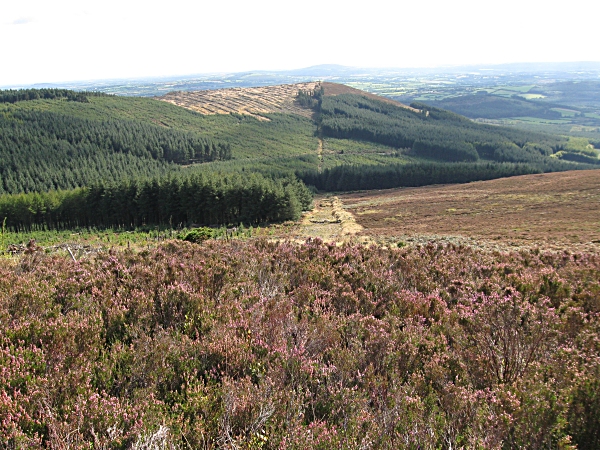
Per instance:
(256,101)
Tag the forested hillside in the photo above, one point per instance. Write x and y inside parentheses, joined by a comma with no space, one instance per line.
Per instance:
(433,146)
(486,106)
(76,156)
(432,133)
(21,95)
(369,176)
(41,150)
(280,135)
(49,142)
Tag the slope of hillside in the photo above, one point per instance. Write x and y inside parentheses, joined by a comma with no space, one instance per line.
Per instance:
(50,144)
(258,101)
(284,134)
(255,101)
(333,89)
(496,107)
(552,210)
(350,141)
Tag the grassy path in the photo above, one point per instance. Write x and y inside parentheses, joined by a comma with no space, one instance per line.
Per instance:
(320,154)
(329,220)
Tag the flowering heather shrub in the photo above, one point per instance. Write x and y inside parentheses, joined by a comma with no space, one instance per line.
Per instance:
(280,346)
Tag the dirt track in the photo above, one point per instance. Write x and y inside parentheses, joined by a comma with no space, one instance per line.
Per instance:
(329,221)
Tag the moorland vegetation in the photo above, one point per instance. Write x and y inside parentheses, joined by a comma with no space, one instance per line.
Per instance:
(273,345)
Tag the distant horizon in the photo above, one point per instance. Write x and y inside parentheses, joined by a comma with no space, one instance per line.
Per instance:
(422,69)
(69,40)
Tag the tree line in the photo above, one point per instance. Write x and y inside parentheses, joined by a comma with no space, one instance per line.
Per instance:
(310,98)
(365,177)
(22,95)
(200,199)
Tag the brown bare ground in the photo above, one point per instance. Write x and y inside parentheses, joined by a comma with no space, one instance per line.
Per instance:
(258,101)
(558,210)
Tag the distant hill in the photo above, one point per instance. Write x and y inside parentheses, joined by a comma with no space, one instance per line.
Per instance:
(323,70)
(486,106)
(258,101)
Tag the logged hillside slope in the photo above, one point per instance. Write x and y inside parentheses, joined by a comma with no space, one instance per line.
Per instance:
(254,101)
(257,101)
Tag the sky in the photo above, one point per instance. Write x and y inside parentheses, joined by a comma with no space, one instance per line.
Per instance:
(48,41)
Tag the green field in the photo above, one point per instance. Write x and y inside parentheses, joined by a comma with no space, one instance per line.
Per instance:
(566,112)
(540,120)
(532,96)
(522,89)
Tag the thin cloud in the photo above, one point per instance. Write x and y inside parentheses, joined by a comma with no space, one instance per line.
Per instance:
(22,21)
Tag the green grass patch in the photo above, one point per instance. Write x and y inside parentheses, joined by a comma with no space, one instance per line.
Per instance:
(580,145)
(347,146)
(89,236)
(116,237)
(330,161)
(566,112)
(502,92)
(539,120)
(532,96)
(513,89)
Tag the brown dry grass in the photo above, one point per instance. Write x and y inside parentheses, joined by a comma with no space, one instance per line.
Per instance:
(560,210)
